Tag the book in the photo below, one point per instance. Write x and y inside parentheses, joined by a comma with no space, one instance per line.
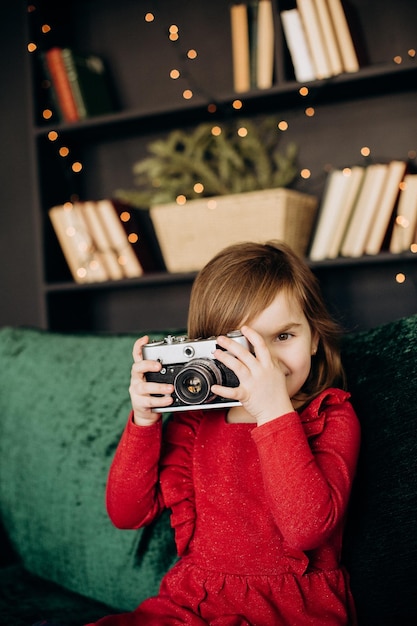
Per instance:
(90,83)
(315,40)
(343,35)
(405,224)
(329,37)
(106,240)
(102,240)
(57,74)
(364,210)
(385,208)
(252,8)
(336,188)
(240,47)
(265,45)
(116,234)
(356,175)
(76,243)
(297,45)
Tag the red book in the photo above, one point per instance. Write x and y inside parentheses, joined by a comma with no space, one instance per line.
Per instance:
(61,85)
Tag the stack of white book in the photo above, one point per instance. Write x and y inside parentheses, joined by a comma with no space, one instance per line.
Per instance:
(365,209)
(103,240)
(319,39)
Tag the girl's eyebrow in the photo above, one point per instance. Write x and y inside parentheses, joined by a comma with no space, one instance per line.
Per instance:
(286,327)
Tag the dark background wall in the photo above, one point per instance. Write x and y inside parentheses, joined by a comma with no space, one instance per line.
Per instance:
(19,270)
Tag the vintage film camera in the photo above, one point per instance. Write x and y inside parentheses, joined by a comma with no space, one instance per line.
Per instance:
(190,366)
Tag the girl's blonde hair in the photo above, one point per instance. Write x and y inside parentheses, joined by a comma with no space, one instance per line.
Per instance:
(242,280)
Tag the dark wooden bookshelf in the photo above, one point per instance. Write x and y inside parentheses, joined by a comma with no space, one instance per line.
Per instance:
(375,106)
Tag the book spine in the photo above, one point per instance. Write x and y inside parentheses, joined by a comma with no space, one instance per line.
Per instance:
(240,47)
(386,207)
(328,215)
(76,244)
(119,241)
(297,45)
(329,37)
(404,230)
(356,175)
(343,36)
(71,71)
(62,85)
(315,38)
(51,95)
(265,50)
(101,240)
(364,211)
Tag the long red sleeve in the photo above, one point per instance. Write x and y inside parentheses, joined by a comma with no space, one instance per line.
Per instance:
(133,496)
(308,469)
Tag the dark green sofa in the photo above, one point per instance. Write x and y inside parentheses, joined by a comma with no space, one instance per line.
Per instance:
(63,404)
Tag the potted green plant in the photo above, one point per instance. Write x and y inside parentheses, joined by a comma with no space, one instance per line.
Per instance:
(218,184)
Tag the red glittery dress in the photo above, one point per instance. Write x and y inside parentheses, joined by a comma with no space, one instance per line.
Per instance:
(258,514)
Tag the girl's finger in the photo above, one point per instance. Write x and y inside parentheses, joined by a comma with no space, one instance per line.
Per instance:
(137,348)
(260,348)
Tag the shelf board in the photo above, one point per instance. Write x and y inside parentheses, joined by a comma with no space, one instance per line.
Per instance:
(157,278)
(165,278)
(370,80)
(383,258)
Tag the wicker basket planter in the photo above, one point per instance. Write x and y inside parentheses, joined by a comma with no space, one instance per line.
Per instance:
(190,235)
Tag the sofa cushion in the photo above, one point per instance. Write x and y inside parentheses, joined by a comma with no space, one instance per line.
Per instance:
(381,538)
(63,405)
(57,441)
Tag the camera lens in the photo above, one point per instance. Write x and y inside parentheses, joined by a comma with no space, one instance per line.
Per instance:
(193,383)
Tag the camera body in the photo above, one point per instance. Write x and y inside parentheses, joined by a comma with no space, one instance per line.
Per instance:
(189,365)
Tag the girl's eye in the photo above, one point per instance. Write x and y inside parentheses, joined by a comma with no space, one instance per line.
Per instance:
(283,336)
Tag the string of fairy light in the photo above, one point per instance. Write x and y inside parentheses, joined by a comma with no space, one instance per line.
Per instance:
(180,72)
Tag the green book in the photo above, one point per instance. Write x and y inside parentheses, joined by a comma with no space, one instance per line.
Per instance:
(90,83)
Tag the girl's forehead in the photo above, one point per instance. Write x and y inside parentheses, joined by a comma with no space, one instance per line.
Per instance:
(284,307)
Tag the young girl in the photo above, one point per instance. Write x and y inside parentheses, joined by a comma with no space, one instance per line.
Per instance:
(258,491)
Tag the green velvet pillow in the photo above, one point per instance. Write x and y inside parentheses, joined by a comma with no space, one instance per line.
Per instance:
(63,404)
(381,538)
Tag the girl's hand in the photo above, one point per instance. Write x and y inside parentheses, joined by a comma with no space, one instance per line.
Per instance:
(262,389)
(141,391)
